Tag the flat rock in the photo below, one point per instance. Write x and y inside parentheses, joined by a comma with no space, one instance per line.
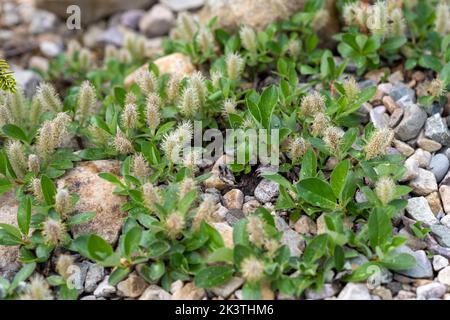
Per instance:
(234,199)
(175,64)
(189,292)
(258,14)
(354,291)
(419,209)
(96,195)
(432,290)
(425,183)
(328,290)
(8,214)
(154,292)
(226,289)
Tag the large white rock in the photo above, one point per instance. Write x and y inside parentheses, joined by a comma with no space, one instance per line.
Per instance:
(8,214)
(96,194)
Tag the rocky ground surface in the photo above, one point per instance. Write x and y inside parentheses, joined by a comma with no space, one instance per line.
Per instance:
(30,37)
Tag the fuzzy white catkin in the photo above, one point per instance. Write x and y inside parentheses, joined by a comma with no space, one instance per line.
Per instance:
(17,105)
(152,114)
(248,39)
(86,101)
(442,18)
(235,65)
(189,104)
(17,158)
(49,98)
(197,81)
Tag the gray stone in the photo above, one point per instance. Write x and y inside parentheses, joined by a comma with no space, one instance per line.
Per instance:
(422,269)
(423,157)
(27,80)
(131,18)
(226,289)
(90,297)
(439,165)
(413,120)
(294,242)
(439,262)
(437,130)
(267,191)
(446,221)
(78,278)
(444,276)
(327,291)
(183,5)
(104,289)
(419,209)
(425,183)
(432,290)
(400,91)
(412,169)
(157,22)
(153,292)
(355,291)
(50,48)
(94,275)
(42,21)
(92,10)
(233,216)
(379,118)
(111,36)
(9,254)
(442,234)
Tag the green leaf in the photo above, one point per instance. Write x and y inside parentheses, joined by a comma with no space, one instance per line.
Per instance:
(80,218)
(223,254)
(24,215)
(118,275)
(48,189)
(251,291)
(214,276)
(275,177)
(444,75)
(339,177)
(316,249)
(131,241)
(98,248)
(398,261)
(380,228)
(26,271)
(15,132)
(111,178)
(266,105)
(317,192)
(154,272)
(309,165)
(364,271)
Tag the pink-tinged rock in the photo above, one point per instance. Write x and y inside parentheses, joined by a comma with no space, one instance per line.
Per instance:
(8,214)
(175,64)
(96,195)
